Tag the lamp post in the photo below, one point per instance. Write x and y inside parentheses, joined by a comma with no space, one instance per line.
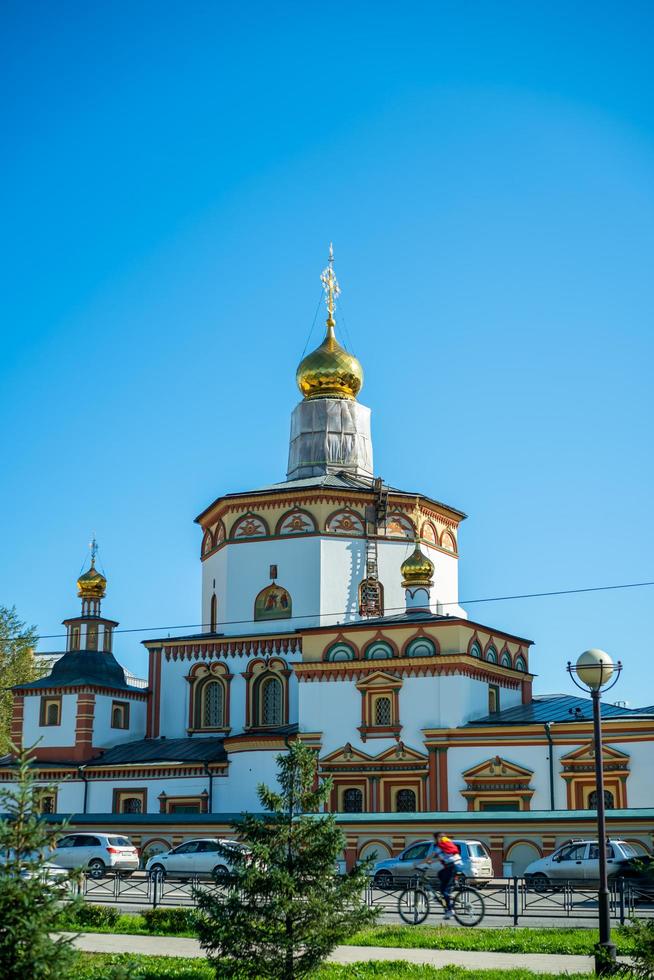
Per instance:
(594,672)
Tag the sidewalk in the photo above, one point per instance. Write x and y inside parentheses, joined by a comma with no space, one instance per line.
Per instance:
(95,942)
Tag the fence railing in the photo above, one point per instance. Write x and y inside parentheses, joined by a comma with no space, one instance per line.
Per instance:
(513,899)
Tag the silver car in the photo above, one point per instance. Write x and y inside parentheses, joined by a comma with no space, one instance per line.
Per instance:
(578,861)
(201,857)
(96,853)
(476,863)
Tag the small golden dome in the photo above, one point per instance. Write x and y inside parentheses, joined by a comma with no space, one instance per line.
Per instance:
(329,371)
(417,570)
(92,584)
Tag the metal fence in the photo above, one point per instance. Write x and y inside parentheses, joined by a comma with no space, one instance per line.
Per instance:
(512,899)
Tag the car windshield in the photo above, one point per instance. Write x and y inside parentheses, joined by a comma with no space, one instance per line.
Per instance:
(628,850)
(476,850)
(119,841)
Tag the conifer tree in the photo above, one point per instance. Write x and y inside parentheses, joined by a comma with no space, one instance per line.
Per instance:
(29,897)
(17,666)
(285,906)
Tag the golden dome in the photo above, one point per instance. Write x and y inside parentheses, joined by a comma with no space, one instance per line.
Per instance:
(329,371)
(417,570)
(92,584)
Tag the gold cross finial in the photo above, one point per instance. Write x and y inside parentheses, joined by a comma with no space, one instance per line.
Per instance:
(332,289)
(93,545)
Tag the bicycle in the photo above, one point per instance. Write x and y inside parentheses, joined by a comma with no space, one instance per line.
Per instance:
(413,904)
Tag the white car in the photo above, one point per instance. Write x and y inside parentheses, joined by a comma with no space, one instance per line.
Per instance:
(476,864)
(96,853)
(194,858)
(578,861)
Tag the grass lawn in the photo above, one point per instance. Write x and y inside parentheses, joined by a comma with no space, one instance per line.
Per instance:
(98,966)
(510,940)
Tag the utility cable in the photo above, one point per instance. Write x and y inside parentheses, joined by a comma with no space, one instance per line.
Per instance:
(347,612)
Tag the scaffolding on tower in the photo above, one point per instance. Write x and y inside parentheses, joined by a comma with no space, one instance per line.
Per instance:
(371,594)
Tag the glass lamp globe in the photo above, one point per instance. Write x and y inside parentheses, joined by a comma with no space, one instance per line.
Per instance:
(594,669)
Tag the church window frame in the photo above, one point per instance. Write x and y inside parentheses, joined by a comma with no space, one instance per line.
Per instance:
(493,699)
(377,721)
(46,800)
(120,714)
(405,800)
(107,637)
(340,652)
(211,703)
(200,677)
(352,799)
(91,636)
(521,664)
(491,654)
(475,650)
(609,800)
(382,711)
(50,711)
(448,543)
(74,637)
(131,801)
(213,613)
(269,701)
(505,659)
(371,585)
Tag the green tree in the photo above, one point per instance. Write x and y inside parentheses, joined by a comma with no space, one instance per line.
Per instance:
(17,665)
(29,895)
(285,907)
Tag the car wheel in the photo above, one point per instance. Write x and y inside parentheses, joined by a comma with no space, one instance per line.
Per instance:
(157,869)
(97,868)
(383,879)
(540,882)
(220,872)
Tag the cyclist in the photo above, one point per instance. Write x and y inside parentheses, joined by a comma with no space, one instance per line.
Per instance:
(446,851)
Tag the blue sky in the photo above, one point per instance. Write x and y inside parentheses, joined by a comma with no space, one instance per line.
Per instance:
(172,176)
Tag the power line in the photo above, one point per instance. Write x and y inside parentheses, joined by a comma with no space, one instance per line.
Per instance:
(347,612)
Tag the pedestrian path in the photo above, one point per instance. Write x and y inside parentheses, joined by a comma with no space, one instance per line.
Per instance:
(96,942)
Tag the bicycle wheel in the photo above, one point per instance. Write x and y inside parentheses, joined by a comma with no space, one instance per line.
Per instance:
(413,906)
(468,906)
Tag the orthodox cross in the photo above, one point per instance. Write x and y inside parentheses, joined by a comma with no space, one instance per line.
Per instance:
(330,285)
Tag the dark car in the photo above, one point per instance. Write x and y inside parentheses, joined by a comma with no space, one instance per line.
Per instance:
(639,873)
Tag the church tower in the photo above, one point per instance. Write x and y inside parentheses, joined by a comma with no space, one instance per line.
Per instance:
(330,430)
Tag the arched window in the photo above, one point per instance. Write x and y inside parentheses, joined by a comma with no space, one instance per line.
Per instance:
(421,647)
(491,655)
(211,704)
(383,711)
(92,636)
(378,650)
(213,614)
(271,702)
(352,801)
(506,659)
(74,637)
(371,597)
(609,800)
(521,665)
(405,801)
(340,651)
(132,804)
(475,650)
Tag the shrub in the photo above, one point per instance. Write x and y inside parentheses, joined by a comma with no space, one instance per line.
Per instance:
(170,920)
(83,914)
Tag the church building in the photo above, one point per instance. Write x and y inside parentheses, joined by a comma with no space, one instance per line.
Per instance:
(330,614)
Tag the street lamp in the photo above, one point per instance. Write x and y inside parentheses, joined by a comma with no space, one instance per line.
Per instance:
(595,671)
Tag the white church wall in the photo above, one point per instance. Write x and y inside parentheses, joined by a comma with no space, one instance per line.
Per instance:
(104,735)
(534,757)
(333,708)
(391,554)
(70,794)
(640,786)
(50,735)
(242,570)
(101,791)
(343,562)
(246,771)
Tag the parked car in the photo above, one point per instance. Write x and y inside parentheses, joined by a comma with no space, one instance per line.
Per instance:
(476,863)
(46,869)
(97,853)
(639,872)
(200,857)
(578,860)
